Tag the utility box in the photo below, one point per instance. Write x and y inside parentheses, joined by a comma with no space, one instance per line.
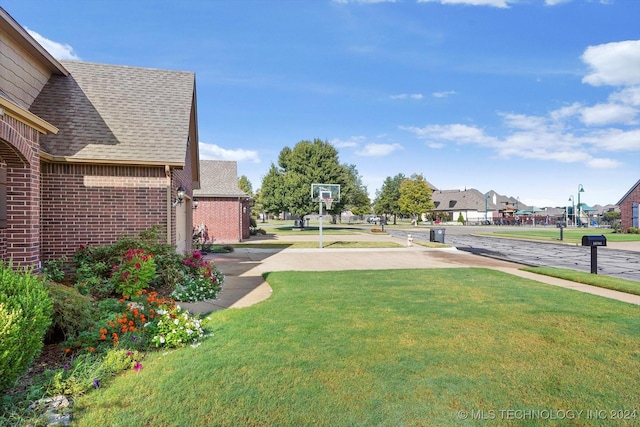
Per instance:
(594,241)
(436,235)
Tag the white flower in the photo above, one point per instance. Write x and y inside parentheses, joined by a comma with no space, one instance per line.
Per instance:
(176,321)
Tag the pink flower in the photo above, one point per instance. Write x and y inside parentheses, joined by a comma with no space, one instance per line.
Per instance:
(137,366)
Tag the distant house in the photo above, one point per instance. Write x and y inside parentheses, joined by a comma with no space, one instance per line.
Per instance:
(223,208)
(629,208)
(475,207)
(90,152)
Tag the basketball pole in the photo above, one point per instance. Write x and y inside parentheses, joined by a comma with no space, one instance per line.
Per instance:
(320,215)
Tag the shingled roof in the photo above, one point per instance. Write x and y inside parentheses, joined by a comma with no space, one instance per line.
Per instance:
(219,178)
(118,113)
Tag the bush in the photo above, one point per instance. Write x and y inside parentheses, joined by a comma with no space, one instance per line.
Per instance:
(73,313)
(25,315)
(633,230)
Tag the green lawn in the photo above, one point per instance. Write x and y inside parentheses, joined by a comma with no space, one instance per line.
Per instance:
(569,235)
(397,347)
(600,280)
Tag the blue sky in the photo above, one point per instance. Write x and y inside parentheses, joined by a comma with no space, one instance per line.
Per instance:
(530,98)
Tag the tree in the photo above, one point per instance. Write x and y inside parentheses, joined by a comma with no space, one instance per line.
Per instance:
(245,185)
(272,195)
(355,196)
(387,197)
(415,196)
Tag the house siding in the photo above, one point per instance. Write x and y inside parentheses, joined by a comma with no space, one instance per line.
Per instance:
(96,204)
(225,218)
(22,77)
(626,207)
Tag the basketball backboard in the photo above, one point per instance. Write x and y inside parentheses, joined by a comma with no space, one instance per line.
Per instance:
(320,192)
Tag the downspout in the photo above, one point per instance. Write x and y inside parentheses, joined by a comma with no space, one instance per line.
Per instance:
(241,228)
(167,172)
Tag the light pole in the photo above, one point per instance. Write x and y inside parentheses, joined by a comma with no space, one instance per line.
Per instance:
(486,207)
(573,208)
(579,219)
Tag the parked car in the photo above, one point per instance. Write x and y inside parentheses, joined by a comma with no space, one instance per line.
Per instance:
(373,219)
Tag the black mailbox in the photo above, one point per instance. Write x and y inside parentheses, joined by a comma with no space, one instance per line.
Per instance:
(594,241)
(561,224)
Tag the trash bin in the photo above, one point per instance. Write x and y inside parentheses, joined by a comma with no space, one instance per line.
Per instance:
(436,235)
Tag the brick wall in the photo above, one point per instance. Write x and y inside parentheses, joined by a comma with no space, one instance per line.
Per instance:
(625,207)
(222,216)
(94,205)
(19,240)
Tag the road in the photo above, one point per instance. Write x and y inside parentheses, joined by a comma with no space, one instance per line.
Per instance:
(611,262)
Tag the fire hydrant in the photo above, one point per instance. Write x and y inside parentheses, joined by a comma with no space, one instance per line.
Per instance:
(409,240)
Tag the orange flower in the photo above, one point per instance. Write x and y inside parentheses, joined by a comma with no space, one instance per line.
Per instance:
(123,329)
(67,350)
(103,337)
(132,328)
(103,331)
(91,349)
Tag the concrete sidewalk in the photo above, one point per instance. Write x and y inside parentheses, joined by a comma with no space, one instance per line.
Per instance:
(243,268)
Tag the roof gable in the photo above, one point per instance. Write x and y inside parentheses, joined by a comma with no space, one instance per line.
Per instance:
(118,113)
(219,178)
(628,193)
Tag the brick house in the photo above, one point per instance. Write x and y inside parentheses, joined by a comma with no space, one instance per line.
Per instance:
(629,216)
(222,207)
(90,152)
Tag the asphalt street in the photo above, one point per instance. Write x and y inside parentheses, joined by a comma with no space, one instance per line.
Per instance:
(611,262)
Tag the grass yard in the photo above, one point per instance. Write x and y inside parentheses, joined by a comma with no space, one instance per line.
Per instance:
(395,347)
(569,235)
(602,281)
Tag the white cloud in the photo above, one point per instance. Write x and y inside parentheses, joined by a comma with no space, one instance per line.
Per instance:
(407,95)
(57,50)
(604,114)
(214,152)
(614,64)
(459,133)
(378,150)
(492,3)
(555,2)
(628,96)
(353,141)
(443,94)
(603,163)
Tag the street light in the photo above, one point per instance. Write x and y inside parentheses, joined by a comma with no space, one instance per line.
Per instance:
(486,207)
(579,219)
(573,208)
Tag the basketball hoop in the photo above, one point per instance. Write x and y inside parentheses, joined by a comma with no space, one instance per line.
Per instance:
(328,202)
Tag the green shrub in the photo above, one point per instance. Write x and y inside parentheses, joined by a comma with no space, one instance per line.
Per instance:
(54,269)
(72,313)
(633,230)
(94,264)
(25,315)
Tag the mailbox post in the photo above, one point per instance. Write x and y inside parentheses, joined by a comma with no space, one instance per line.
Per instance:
(594,242)
(561,225)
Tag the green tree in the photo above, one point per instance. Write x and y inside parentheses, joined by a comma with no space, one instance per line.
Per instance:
(355,195)
(272,192)
(387,197)
(245,185)
(415,196)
